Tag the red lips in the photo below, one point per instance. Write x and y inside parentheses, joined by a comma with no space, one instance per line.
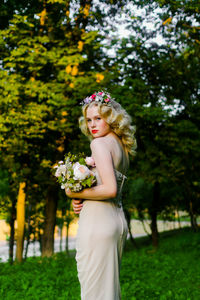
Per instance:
(94,131)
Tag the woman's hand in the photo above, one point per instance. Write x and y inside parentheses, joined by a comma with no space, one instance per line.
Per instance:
(77,205)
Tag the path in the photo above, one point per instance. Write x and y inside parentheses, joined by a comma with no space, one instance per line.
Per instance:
(34,250)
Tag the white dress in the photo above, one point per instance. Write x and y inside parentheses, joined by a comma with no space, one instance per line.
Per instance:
(101,235)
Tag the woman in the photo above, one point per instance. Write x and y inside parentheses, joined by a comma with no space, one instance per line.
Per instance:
(102,225)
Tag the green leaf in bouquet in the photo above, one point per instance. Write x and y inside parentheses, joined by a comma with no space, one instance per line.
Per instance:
(82,161)
(89,181)
(71,180)
(60,179)
(83,183)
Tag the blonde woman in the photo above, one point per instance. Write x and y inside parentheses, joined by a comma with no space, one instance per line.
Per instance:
(102,225)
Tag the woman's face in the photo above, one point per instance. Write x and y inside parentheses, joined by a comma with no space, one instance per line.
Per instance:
(96,125)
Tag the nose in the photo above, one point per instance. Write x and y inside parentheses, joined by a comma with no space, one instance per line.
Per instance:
(93,123)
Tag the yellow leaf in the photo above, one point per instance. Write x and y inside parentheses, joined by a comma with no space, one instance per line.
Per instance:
(61,148)
(67,13)
(64,113)
(167,21)
(80,45)
(68,69)
(46,163)
(62,121)
(43,17)
(32,236)
(32,79)
(71,85)
(43,13)
(86,10)
(99,77)
(74,71)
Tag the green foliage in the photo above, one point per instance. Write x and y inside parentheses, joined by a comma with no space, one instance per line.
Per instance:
(49,62)
(172,272)
(158,84)
(4,184)
(53,278)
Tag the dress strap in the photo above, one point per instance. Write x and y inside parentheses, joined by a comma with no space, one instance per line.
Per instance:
(122,183)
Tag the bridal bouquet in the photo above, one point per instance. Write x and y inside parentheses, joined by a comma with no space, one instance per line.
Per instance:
(73,172)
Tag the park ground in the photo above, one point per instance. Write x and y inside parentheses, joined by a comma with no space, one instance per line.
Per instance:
(172,272)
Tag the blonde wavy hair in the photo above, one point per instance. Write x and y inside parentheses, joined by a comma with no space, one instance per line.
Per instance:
(118,119)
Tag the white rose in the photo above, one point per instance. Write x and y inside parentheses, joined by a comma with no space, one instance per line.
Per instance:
(81,172)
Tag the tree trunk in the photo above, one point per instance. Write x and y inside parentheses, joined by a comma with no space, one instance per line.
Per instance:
(153,214)
(50,222)
(20,221)
(12,231)
(67,239)
(61,237)
(128,220)
(154,229)
(193,218)
(28,232)
(178,218)
(26,248)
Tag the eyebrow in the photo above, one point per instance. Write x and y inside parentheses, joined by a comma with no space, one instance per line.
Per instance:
(97,116)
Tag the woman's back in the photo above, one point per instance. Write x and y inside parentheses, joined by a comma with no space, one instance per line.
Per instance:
(118,152)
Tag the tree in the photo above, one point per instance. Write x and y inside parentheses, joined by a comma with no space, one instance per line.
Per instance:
(159,85)
(49,59)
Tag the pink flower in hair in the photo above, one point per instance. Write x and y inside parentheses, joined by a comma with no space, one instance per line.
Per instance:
(100,97)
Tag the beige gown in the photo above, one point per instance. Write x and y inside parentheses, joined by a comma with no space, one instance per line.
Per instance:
(101,235)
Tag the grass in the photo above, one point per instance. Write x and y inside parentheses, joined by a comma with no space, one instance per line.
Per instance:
(172,272)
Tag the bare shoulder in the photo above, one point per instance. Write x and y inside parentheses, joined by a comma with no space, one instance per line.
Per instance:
(100,142)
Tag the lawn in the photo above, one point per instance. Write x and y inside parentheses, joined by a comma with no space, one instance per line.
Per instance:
(171,272)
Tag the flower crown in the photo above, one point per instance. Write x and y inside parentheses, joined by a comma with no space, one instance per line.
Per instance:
(102,97)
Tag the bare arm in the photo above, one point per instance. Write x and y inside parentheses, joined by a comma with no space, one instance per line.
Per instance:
(104,165)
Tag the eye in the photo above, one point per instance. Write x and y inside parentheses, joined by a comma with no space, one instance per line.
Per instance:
(88,120)
(98,118)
